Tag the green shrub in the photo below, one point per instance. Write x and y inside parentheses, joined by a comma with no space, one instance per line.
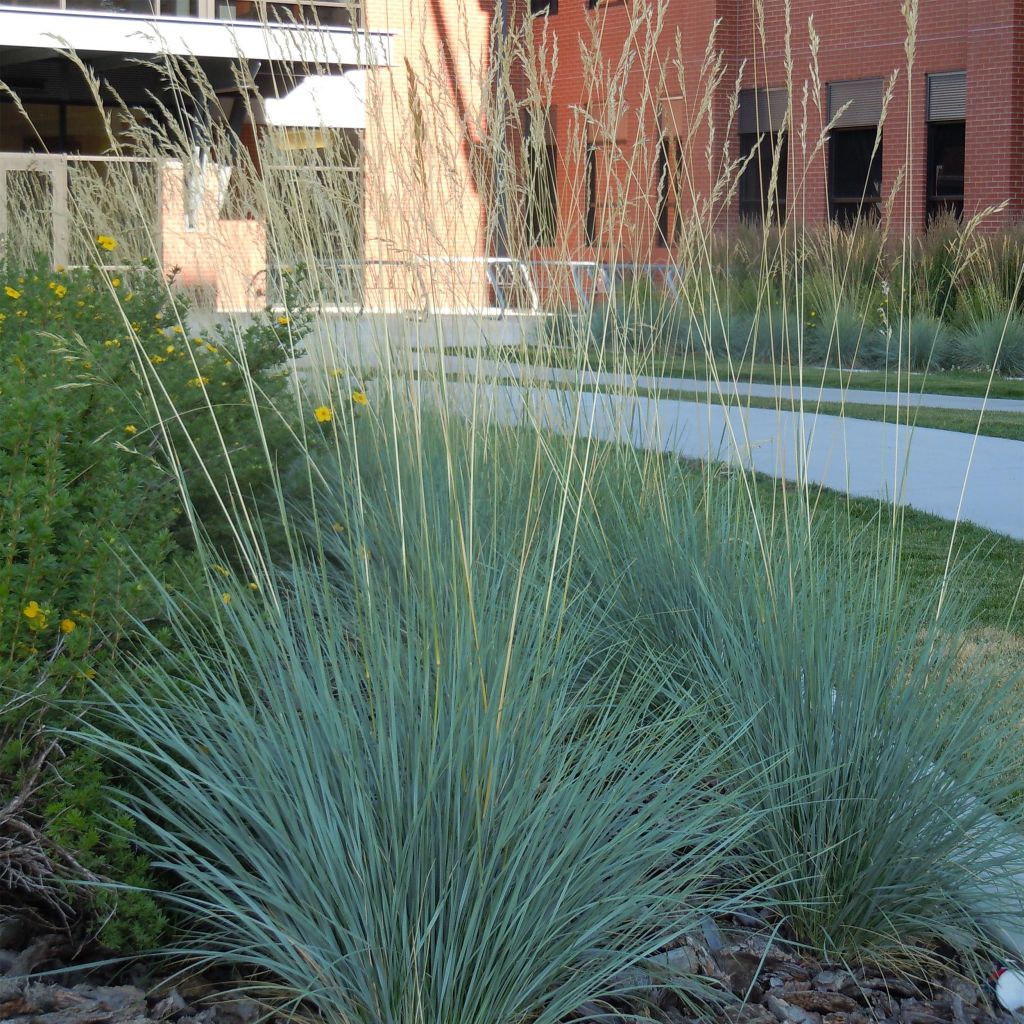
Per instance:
(411,785)
(876,752)
(89,508)
(940,267)
(995,342)
(639,318)
(79,503)
(887,753)
(925,343)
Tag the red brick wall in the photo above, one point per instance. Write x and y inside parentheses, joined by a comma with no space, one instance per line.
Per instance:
(857,39)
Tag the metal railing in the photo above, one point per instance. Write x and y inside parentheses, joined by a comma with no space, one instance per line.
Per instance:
(59,204)
(414,286)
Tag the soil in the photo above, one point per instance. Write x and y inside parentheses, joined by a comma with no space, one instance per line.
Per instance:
(732,973)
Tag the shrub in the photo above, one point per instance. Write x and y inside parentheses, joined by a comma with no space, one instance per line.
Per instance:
(767,335)
(79,504)
(88,499)
(940,267)
(638,318)
(406,782)
(876,751)
(925,343)
(993,343)
(886,753)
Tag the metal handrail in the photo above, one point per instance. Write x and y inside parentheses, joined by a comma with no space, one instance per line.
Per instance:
(590,278)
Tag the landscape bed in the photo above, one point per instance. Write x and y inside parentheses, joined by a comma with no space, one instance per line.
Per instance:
(329,694)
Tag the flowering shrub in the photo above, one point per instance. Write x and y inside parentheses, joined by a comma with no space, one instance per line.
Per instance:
(86,500)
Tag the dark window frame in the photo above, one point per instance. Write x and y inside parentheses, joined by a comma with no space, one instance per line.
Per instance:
(590,216)
(662,184)
(943,202)
(849,207)
(542,199)
(543,8)
(755,178)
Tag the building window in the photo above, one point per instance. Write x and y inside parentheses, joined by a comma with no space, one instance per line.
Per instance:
(763,180)
(613,203)
(946,168)
(669,182)
(542,205)
(543,6)
(541,182)
(590,183)
(855,174)
(855,150)
(947,136)
(661,183)
(764,153)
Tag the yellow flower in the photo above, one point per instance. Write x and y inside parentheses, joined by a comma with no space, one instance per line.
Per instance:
(157,360)
(254,586)
(60,268)
(197,382)
(169,349)
(52,285)
(106,242)
(115,282)
(111,343)
(67,626)
(197,341)
(136,326)
(212,348)
(177,329)
(131,428)
(337,528)
(359,397)
(222,570)
(158,316)
(32,610)
(323,414)
(89,673)
(282,321)
(12,293)
(3,317)
(60,291)
(226,598)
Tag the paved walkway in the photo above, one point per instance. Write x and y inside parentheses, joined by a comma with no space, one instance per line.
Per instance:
(953,475)
(808,394)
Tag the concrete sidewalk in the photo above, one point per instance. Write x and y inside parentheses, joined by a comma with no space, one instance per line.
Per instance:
(953,475)
(810,395)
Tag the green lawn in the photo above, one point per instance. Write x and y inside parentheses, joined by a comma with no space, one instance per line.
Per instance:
(988,567)
(937,382)
(992,424)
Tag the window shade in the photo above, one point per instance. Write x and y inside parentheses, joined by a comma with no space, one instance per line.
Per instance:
(865,102)
(762,110)
(947,96)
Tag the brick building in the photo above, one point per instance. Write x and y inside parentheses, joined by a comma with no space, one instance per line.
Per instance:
(870,131)
(623,117)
